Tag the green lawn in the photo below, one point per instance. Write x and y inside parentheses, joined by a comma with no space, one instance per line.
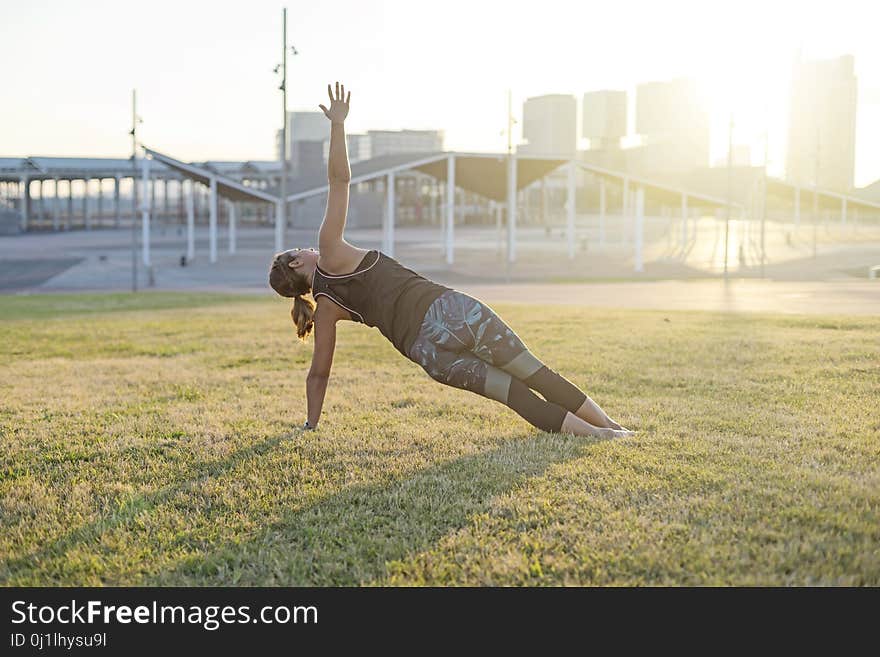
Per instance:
(154,440)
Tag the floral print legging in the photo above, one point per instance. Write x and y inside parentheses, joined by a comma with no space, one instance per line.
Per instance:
(462,341)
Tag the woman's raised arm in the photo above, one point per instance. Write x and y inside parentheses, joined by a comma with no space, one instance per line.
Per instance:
(338,173)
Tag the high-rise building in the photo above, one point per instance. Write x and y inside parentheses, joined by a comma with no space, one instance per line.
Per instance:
(673,121)
(604,118)
(387,142)
(550,125)
(822,124)
(302,126)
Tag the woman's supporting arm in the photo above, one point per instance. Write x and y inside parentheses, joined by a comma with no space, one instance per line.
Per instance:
(322,361)
(338,173)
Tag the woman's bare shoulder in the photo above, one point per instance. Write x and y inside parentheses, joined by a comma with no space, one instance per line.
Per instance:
(343,259)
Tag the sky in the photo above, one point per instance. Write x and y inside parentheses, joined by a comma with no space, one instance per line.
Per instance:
(206,88)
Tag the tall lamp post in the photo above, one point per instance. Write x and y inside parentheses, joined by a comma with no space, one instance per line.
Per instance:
(281,222)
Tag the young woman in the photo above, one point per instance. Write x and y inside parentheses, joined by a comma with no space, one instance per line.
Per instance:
(457,339)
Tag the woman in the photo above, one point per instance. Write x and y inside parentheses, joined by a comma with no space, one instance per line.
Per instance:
(457,339)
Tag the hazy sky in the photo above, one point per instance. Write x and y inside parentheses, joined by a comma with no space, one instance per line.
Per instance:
(206,90)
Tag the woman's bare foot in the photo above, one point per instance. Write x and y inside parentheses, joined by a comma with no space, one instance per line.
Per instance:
(575,425)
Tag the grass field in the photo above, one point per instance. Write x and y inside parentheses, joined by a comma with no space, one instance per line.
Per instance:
(154,440)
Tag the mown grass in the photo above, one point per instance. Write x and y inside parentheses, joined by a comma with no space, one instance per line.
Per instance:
(154,440)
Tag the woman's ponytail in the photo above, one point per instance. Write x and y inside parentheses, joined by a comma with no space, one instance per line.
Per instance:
(303,313)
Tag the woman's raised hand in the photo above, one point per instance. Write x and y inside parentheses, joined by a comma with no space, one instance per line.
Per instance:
(338,104)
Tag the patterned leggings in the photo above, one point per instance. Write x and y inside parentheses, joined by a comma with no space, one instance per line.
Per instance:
(464,344)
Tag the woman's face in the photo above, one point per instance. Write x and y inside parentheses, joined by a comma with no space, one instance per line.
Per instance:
(295,258)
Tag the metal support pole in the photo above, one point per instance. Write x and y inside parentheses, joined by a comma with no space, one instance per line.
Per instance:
(624,219)
(279,225)
(212,222)
(388,217)
(843,212)
(231,210)
(87,216)
(100,211)
(603,206)
(450,210)
(797,207)
(117,215)
(190,222)
(69,222)
(146,203)
(153,205)
(56,204)
(41,215)
(763,221)
(165,199)
(639,228)
(684,222)
(511,208)
(570,208)
(25,197)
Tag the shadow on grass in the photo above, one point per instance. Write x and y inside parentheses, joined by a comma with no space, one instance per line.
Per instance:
(349,537)
(90,533)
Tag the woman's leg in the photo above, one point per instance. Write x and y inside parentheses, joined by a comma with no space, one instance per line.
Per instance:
(465,371)
(461,321)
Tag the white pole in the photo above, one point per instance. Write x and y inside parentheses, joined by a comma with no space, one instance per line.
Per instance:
(511,208)
(56,224)
(624,219)
(145,211)
(87,211)
(797,207)
(279,226)
(843,212)
(212,222)
(116,211)
(232,236)
(603,202)
(499,222)
(99,214)
(190,222)
(640,227)
(684,221)
(450,210)
(25,189)
(388,219)
(570,209)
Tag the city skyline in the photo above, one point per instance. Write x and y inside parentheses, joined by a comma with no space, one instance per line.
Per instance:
(211,94)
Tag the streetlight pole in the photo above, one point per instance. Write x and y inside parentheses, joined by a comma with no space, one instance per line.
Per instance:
(281,226)
(134,198)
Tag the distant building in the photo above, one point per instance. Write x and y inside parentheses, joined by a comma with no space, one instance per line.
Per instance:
(358,147)
(604,119)
(550,126)
(673,122)
(302,126)
(822,124)
(388,142)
